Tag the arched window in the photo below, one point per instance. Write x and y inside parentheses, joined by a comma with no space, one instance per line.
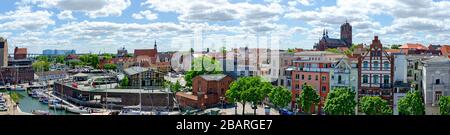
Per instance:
(365,79)
(386,65)
(365,64)
(376,79)
(376,64)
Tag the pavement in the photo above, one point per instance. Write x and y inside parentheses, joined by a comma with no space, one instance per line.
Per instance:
(12,109)
(248,110)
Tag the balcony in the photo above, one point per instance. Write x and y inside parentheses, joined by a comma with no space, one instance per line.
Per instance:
(316,69)
(385,86)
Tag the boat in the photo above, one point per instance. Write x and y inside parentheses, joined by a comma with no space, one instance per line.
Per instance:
(57,106)
(40,112)
(18,88)
(130,110)
(77,110)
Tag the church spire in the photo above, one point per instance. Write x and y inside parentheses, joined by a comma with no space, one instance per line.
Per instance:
(155,45)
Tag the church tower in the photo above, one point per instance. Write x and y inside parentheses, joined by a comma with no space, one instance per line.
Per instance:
(346,33)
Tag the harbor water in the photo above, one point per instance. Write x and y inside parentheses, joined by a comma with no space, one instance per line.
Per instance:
(28,104)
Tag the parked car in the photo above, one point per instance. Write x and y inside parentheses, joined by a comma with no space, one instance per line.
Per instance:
(3,108)
(285,112)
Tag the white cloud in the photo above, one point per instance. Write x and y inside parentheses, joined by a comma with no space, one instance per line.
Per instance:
(147,14)
(25,19)
(92,8)
(66,15)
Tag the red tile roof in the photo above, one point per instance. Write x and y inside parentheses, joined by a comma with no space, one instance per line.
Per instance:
(416,46)
(20,51)
(145,52)
(445,49)
(393,51)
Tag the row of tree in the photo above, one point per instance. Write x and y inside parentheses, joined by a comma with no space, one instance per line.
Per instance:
(255,90)
(340,101)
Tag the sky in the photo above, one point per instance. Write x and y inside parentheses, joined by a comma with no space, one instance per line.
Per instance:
(98,26)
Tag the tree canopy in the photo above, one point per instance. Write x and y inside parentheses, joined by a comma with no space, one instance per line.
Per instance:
(202,65)
(308,98)
(374,105)
(340,101)
(444,105)
(411,104)
(280,96)
(247,89)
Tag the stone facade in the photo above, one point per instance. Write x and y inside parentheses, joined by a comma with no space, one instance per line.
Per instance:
(436,80)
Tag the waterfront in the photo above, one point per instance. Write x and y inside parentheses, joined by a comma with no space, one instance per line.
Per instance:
(27,104)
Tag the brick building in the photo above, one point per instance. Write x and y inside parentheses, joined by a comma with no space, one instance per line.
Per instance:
(345,40)
(376,72)
(20,53)
(207,90)
(16,74)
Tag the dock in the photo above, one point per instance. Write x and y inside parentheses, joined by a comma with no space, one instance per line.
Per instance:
(64,101)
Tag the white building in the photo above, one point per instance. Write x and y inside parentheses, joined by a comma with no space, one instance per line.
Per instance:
(436,79)
(344,74)
(400,68)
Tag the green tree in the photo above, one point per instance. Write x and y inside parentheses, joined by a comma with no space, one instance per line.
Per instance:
(124,81)
(94,60)
(395,46)
(291,51)
(110,66)
(202,65)
(411,104)
(252,95)
(374,105)
(42,58)
(308,98)
(340,101)
(41,66)
(280,97)
(175,87)
(60,59)
(84,58)
(244,90)
(444,105)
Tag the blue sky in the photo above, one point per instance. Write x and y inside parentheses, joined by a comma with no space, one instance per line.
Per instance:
(106,25)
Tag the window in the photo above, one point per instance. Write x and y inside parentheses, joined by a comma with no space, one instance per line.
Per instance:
(324,78)
(365,79)
(366,64)
(297,76)
(303,77)
(282,82)
(324,89)
(386,79)
(438,81)
(339,79)
(297,86)
(386,65)
(376,79)
(376,64)
(317,77)
(309,77)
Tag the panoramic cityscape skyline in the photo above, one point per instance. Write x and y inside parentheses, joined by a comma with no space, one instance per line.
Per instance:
(106,25)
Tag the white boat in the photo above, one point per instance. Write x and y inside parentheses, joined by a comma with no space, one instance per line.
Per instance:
(18,88)
(77,110)
(40,112)
(57,106)
(130,110)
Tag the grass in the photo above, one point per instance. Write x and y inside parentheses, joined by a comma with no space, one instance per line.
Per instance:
(16,96)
